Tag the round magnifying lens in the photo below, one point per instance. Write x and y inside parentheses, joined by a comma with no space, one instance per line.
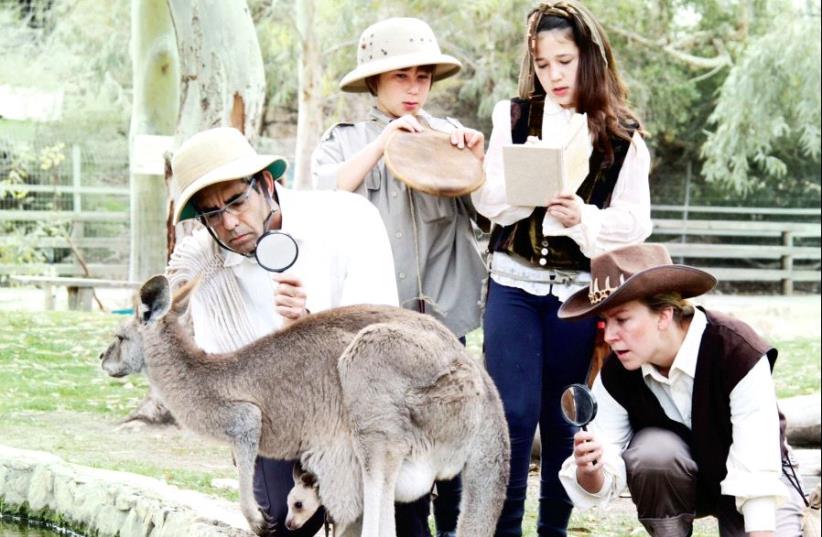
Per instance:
(578,405)
(276,251)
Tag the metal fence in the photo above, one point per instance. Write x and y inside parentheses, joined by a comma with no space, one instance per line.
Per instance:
(62,206)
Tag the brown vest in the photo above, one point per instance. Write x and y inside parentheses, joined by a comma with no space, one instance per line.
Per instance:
(524,239)
(728,351)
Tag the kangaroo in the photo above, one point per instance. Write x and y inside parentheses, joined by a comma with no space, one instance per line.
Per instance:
(303,499)
(376,401)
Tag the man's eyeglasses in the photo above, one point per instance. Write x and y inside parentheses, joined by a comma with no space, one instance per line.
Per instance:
(234,207)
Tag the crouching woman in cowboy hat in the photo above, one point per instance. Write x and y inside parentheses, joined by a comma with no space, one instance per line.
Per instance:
(687,408)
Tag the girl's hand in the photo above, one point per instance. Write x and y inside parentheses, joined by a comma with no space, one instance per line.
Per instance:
(587,453)
(473,139)
(566,209)
(407,123)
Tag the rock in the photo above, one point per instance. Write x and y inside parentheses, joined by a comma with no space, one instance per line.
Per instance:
(106,503)
(803,415)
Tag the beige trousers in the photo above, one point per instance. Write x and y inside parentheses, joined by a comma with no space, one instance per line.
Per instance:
(662,481)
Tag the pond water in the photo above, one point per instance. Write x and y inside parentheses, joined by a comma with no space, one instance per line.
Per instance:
(15,527)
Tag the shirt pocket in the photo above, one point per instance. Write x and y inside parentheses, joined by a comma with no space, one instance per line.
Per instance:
(434,209)
(374,179)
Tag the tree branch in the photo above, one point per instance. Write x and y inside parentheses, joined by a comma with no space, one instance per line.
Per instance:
(721,60)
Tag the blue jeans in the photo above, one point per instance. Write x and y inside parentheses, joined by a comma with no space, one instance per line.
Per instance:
(532,355)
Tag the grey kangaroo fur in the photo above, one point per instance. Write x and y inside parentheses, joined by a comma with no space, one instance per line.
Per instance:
(371,399)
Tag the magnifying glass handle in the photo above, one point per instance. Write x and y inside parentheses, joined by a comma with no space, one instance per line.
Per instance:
(585,428)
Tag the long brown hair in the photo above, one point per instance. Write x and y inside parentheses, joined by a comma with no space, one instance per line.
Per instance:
(600,91)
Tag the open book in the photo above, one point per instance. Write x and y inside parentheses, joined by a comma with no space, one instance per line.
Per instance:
(535,173)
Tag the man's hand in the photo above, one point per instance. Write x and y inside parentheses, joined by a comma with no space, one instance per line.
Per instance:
(761,534)
(289,298)
(470,138)
(588,458)
(565,208)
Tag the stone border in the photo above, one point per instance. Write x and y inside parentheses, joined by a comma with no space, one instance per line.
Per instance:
(105,503)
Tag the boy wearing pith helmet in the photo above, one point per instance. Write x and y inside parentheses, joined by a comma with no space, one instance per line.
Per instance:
(689,392)
(437,263)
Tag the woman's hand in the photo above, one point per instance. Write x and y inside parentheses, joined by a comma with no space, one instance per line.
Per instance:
(473,139)
(289,298)
(566,209)
(588,458)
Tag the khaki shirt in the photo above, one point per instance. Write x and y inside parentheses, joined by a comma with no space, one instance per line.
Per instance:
(433,243)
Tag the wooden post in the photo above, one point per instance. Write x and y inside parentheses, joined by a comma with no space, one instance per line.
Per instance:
(787,264)
(77,230)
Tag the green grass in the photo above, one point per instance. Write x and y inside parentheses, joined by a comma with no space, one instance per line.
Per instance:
(57,399)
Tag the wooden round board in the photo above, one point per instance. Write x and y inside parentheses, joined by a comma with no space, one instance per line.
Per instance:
(428,162)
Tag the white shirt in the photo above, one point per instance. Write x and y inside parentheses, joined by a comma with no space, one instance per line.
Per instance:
(344,259)
(627,220)
(754,460)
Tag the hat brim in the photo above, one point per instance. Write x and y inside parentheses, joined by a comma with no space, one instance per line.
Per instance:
(243,167)
(354,81)
(687,281)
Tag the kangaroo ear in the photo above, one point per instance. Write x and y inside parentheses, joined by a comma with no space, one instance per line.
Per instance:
(309,480)
(155,299)
(297,472)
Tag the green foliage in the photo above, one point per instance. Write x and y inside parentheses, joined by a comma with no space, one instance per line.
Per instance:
(767,116)
(26,164)
(754,121)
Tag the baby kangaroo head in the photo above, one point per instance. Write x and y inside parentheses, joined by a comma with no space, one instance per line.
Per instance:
(124,355)
(303,500)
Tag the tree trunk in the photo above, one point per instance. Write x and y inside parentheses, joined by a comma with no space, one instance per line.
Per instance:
(310,108)
(223,82)
(155,69)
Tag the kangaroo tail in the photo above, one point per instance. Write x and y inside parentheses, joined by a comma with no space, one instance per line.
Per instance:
(485,474)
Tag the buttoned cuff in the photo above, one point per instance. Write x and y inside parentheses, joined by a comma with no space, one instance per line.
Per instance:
(582,499)
(759,514)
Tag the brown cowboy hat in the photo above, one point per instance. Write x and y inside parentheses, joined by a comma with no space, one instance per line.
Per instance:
(633,272)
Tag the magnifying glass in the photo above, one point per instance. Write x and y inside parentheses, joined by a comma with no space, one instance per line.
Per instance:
(578,405)
(276,251)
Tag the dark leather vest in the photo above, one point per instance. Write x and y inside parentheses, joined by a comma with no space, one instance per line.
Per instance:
(727,352)
(524,239)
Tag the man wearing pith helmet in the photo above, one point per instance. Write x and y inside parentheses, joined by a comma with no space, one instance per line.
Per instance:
(687,413)
(342,257)
(438,267)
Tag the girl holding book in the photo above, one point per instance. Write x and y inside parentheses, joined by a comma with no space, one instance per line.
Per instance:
(540,255)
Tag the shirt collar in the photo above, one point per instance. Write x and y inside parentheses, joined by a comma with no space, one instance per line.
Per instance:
(685,359)
(380,117)
(291,219)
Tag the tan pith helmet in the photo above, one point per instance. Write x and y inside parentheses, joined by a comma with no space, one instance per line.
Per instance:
(214,156)
(397,43)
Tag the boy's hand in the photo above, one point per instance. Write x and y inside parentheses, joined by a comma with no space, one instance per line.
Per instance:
(407,122)
(289,298)
(473,139)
